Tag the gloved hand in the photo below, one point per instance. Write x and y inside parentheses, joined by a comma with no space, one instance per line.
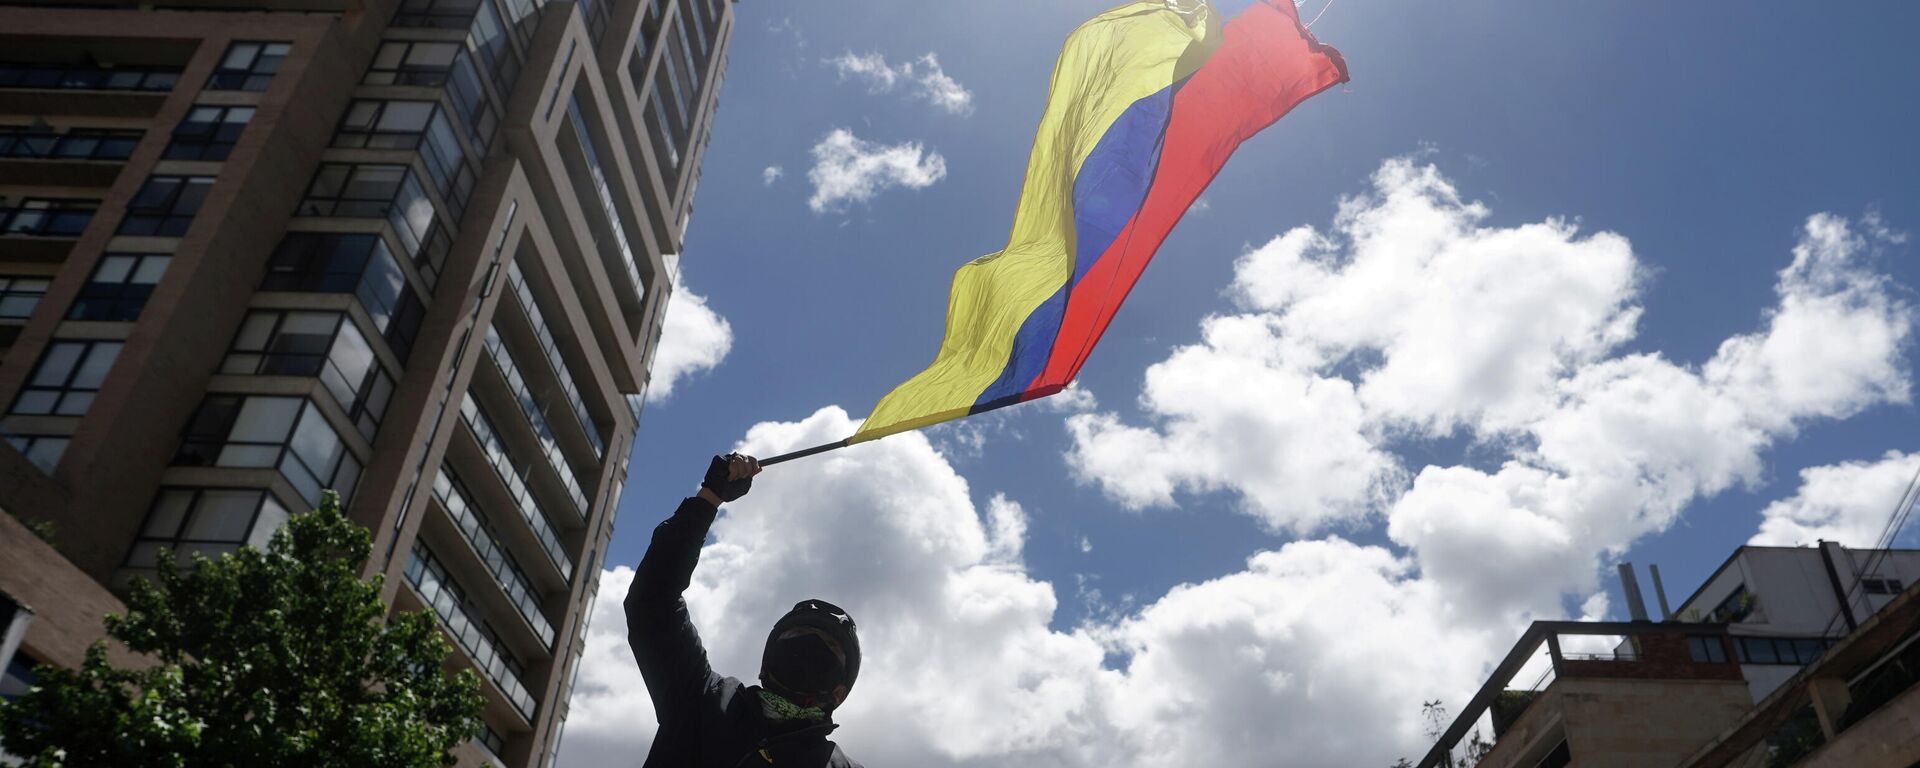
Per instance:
(731,476)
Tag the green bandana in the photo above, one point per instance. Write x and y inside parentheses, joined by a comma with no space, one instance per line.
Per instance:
(776,707)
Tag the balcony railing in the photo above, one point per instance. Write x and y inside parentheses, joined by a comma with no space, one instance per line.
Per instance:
(530,407)
(503,465)
(501,565)
(435,588)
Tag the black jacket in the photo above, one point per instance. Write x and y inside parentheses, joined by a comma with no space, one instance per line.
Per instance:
(705,719)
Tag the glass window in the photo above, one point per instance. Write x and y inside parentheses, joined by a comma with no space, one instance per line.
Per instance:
(47,217)
(203,521)
(361,264)
(401,62)
(287,433)
(69,375)
(76,144)
(165,205)
(504,465)
(120,286)
(322,344)
(442,14)
(1758,650)
(1707,649)
(376,191)
(43,450)
(248,66)
(208,133)
(90,78)
(372,124)
(454,498)
(20,295)
(446,164)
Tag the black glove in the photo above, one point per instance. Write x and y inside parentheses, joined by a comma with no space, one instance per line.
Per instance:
(718,482)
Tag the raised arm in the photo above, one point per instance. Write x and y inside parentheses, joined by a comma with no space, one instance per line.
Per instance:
(672,660)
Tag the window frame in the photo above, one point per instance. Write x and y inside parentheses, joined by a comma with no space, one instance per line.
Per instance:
(13,294)
(208,140)
(66,387)
(123,300)
(51,213)
(262,61)
(365,401)
(209,439)
(173,213)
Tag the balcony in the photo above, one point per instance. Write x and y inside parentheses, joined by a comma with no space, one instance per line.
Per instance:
(1665,687)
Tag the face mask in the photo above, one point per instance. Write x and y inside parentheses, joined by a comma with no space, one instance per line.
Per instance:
(804,664)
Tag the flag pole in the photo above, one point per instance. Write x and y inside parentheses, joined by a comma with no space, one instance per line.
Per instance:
(805,452)
(1010,400)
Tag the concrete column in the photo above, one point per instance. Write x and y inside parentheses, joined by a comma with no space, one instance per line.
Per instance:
(1830,701)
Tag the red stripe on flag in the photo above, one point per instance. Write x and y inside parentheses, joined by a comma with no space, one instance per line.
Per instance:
(1266,65)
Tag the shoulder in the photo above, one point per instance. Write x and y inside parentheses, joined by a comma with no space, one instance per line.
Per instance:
(840,759)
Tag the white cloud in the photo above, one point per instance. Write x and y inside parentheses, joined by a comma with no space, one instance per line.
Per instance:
(847,169)
(961,668)
(771,174)
(1320,650)
(1414,319)
(928,81)
(1848,503)
(694,339)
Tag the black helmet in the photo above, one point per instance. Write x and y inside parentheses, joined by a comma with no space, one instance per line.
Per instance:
(800,665)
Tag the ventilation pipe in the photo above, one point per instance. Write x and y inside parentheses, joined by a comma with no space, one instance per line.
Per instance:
(1631,587)
(1660,591)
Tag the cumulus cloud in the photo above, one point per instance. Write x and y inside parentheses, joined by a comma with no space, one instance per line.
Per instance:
(694,339)
(1847,502)
(848,169)
(1322,648)
(1413,319)
(961,667)
(923,76)
(771,174)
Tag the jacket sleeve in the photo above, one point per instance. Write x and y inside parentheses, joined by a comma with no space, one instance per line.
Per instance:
(672,660)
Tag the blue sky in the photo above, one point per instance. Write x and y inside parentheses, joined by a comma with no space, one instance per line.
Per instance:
(1705,137)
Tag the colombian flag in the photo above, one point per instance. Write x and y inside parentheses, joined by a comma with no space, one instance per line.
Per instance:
(1148,101)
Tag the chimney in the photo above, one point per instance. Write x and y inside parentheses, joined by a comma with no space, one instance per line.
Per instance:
(1636,607)
(1660,591)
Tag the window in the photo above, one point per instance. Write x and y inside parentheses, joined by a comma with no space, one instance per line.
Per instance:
(120,286)
(76,144)
(47,217)
(1735,608)
(401,62)
(1780,650)
(87,78)
(166,205)
(20,676)
(371,124)
(340,263)
(441,14)
(248,66)
(43,450)
(322,344)
(446,162)
(208,133)
(67,378)
(287,433)
(203,521)
(1881,586)
(374,191)
(1707,649)
(20,295)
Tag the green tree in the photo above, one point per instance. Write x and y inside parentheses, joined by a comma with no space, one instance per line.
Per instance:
(275,658)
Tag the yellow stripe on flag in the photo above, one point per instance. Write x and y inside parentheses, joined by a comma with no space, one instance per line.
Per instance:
(1107,64)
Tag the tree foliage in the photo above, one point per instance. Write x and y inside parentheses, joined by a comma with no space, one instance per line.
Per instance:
(263,658)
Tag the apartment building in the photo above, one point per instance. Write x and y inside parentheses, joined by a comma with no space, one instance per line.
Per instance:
(415,251)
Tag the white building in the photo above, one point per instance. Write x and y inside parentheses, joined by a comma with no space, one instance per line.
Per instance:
(1783,604)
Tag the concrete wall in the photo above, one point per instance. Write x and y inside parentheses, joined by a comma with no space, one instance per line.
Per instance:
(1888,738)
(67,604)
(1640,723)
